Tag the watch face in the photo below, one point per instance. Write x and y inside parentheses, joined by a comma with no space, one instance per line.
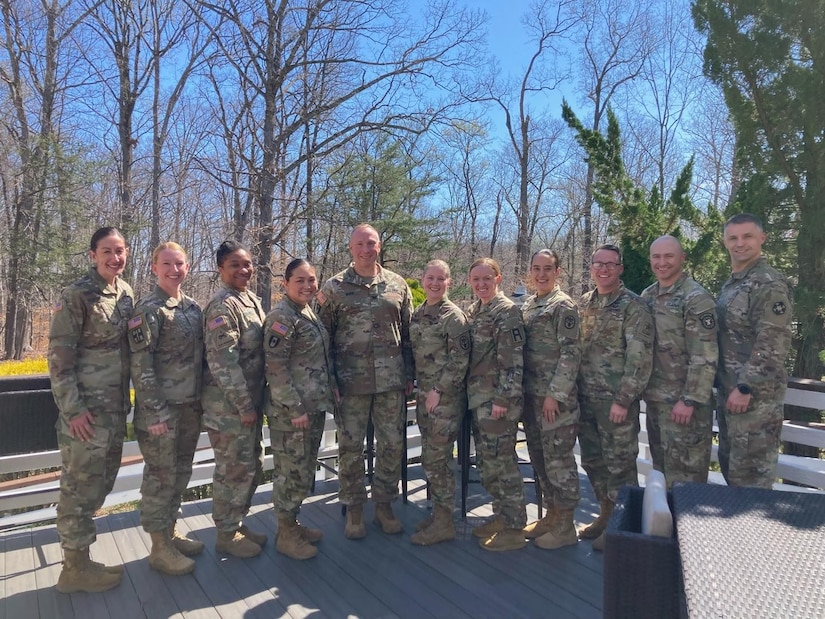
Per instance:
(690,403)
(744,389)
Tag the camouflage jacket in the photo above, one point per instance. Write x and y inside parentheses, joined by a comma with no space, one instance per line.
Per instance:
(685,351)
(441,344)
(166,338)
(552,352)
(368,320)
(497,357)
(233,334)
(755,310)
(88,353)
(298,365)
(617,346)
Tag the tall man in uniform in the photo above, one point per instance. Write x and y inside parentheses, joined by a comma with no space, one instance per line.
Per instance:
(678,395)
(617,342)
(367,311)
(755,307)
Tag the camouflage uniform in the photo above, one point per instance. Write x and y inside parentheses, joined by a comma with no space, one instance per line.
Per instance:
(299,375)
(495,377)
(684,365)
(233,386)
(441,344)
(552,355)
(617,343)
(755,310)
(89,369)
(166,338)
(368,320)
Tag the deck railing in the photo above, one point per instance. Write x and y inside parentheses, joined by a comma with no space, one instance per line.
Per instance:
(41,491)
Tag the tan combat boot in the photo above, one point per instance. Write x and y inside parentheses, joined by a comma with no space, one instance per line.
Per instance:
(598,543)
(187,546)
(289,541)
(489,528)
(595,528)
(563,533)
(165,558)
(237,545)
(442,528)
(252,536)
(385,519)
(538,528)
(506,539)
(80,574)
(355,528)
(423,524)
(309,534)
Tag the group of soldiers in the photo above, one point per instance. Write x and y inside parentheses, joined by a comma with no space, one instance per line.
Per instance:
(668,347)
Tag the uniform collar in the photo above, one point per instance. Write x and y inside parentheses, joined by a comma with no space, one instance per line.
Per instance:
(101,283)
(609,299)
(743,274)
(673,287)
(351,277)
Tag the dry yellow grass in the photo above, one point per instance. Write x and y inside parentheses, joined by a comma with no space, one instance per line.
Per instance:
(22,368)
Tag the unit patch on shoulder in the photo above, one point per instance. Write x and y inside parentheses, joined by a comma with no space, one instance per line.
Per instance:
(779,308)
(464,341)
(570,322)
(273,341)
(708,320)
(517,335)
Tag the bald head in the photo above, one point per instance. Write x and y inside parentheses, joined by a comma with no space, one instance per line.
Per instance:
(667,257)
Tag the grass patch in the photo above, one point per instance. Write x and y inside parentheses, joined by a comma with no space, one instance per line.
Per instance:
(25,367)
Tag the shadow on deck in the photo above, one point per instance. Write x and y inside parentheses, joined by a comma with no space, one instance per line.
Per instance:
(380,576)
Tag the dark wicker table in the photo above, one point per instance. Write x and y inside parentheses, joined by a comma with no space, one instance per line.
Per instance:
(750,552)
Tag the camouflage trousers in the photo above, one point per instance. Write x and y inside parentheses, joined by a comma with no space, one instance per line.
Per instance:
(498,465)
(388,414)
(439,432)
(550,446)
(749,442)
(167,464)
(681,452)
(608,450)
(238,471)
(294,459)
(89,470)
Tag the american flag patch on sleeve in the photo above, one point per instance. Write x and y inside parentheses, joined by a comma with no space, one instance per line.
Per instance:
(278,327)
(136,321)
(322,298)
(213,324)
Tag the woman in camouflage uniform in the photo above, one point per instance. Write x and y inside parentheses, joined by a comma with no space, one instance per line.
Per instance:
(551,410)
(89,369)
(166,338)
(299,374)
(494,394)
(440,338)
(233,394)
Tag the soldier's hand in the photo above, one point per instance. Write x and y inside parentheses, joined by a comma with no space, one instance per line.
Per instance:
(158,429)
(737,402)
(499,412)
(249,419)
(550,410)
(301,422)
(81,427)
(433,398)
(618,413)
(681,413)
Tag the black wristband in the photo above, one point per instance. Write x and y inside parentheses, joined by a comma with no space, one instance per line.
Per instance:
(744,389)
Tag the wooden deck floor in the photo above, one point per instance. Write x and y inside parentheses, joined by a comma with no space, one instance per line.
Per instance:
(380,576)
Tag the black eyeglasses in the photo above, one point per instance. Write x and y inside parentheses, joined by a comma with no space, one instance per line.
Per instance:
(605,265)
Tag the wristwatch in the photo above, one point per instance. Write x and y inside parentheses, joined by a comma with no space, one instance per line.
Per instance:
(744,389)
(689,402)
(437,390)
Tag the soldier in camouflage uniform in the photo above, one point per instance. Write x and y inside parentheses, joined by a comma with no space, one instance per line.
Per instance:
(441,345)
(233,394)
(494,391)
(166,338)
(617,355)
(755,310)
(552,355)
(366,310)
(299,375)
(678,396)
(89,369)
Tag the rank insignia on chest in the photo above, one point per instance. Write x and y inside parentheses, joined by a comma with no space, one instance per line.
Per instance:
(779,308)
(708,321)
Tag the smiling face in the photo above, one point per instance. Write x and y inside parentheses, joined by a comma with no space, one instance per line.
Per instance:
(484,282)
(236,270)
(364,245)
(301,285)
(109,257)
(666,260)
(744,244)
(606,270)
(543,273)
(170,267)
(435,282)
